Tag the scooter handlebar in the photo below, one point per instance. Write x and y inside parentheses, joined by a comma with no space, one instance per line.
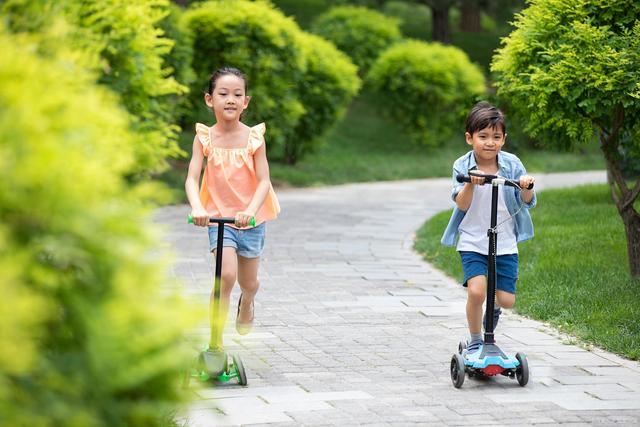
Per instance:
(252,222)
(489,178)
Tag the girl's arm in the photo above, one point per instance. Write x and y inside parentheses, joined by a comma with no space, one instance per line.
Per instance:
(262,189)
(192,186)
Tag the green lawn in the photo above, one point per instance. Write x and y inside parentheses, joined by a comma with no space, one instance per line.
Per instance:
(366,146)
(574,273)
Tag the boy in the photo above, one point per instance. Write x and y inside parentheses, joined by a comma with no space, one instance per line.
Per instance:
(486,134)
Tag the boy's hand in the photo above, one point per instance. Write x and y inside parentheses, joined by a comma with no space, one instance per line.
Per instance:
(477,180)
(526,181)
(200,217)
(243,218)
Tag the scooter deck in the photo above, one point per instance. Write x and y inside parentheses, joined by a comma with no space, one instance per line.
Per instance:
(490,354)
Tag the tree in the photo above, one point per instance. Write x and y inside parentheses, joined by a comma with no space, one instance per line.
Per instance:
(574,67)
(440,15)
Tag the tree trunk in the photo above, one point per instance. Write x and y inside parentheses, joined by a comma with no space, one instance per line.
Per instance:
(441,31)
(623,196)
(470,16)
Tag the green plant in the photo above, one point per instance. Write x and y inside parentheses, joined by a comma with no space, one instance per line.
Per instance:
(88,338)
(359,32)
(572,68)
(427,87)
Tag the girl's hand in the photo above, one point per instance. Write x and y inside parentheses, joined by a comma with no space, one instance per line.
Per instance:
(243,218)
(200,217)
(526,181)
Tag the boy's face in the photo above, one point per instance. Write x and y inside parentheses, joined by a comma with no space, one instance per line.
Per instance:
(487,142)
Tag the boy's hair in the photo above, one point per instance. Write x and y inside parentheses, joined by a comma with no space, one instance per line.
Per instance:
(223,72)
(484,115)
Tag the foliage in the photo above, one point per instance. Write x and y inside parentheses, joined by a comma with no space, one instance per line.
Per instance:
(428,88)
(591,297)
(573,68)
(415,19)
(329,83)
(280,62)
(359,32)
(121,43)
(88,339)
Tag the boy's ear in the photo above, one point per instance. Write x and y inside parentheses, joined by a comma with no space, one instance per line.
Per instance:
(468,137)
(208,99)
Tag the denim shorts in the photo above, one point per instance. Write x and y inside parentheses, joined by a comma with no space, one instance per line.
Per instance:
(475,264)
(248,242)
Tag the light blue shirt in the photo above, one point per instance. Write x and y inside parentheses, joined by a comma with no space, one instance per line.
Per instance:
(509,166)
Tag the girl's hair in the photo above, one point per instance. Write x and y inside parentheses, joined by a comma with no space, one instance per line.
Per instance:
(223,72)
(484,115)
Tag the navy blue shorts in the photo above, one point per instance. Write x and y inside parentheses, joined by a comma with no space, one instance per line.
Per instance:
(475,264)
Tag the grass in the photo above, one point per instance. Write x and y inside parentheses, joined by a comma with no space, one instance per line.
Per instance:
(366,146)
(574,273)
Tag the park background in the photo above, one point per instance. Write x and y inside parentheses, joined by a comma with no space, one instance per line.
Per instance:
(99,102)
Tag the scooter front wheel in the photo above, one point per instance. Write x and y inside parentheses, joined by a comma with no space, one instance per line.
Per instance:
(522,371)
(242,376)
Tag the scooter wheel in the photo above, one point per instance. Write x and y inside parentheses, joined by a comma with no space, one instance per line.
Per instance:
(242,376)
(457,370)
(522,371)
(462,346)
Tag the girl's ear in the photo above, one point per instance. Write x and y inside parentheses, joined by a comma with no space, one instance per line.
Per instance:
(246,102)
(468,138)
(208,99)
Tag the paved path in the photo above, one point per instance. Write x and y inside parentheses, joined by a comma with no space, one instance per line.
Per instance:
(354,328)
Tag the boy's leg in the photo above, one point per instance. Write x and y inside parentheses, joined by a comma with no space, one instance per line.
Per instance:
(249,285)
(228,279)
(476,294)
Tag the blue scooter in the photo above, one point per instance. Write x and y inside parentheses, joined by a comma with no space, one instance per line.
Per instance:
(491,360)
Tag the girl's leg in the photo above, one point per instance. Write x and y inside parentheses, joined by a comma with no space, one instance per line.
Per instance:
(476,294)
(229,274)
(248,281)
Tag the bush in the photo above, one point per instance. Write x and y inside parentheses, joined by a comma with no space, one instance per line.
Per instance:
(415,18)
(359,32)
(428,88)
(328,85)
(87,339)
(276,56)
(122,44)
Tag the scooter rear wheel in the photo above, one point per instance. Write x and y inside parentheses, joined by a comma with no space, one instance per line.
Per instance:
(457,370)
(522,371)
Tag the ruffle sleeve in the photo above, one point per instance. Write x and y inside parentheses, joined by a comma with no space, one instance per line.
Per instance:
(202,131)
(256,137)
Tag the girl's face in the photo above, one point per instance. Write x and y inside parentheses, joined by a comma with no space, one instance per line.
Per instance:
(228,99)
(487,142)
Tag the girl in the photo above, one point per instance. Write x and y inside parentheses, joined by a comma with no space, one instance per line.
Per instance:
(236,184)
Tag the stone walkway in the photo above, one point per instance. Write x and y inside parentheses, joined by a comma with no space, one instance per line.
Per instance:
(354,328)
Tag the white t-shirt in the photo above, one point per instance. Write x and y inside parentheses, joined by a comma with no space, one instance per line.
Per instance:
(476,222)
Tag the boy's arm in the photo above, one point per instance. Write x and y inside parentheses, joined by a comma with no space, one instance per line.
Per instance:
(526,196)
(192,186)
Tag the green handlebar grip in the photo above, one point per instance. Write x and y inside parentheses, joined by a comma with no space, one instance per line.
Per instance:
(252,222)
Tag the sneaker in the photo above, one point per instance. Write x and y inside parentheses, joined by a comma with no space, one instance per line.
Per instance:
(496,316)
(472,347)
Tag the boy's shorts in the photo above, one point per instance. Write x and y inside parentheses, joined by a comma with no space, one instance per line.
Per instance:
(475,264)
(248,242)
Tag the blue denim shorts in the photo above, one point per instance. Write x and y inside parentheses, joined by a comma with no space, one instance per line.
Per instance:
(248,242)
(475,264)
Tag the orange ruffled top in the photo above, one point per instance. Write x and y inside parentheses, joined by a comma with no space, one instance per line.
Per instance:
(229,180)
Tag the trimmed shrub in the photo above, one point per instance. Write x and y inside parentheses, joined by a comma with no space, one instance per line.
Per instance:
(359,32)
(428,88)
(87,337)
(415,19)
(328,85)
(294,89)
